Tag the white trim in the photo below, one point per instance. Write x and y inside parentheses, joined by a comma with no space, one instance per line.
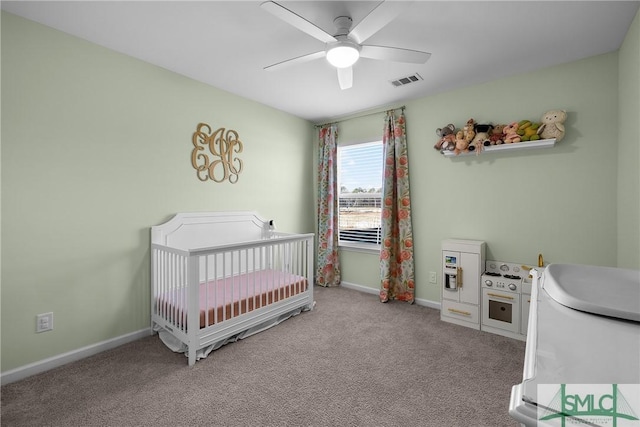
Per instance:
(373,291)
(71,356)
(360,288)
(428,303)
(524,145)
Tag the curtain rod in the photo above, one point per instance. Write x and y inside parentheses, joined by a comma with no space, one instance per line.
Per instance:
(362,115)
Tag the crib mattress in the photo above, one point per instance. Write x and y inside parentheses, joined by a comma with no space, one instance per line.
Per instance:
(223,299)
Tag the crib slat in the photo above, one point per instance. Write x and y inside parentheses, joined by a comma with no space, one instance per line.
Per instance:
(172,289)
(253,268)
(175,283)
(182,284)
(224,288)
(246,282)
(231,267)
(206,291)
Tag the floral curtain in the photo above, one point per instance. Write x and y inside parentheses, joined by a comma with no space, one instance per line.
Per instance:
(396,254)
(328,268)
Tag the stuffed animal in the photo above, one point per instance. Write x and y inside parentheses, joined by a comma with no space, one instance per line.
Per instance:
(469,133)
(528,130)
(461,143)
(553,125)
(447,138)
(481,138)
(448,142)
(511,133)
(496,135)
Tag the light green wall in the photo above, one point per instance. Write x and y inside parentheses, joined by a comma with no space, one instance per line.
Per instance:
(96,146)
(96,149)
(629,150)
(561,202)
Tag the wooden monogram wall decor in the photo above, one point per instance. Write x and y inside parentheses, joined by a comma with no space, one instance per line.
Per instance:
(221,147)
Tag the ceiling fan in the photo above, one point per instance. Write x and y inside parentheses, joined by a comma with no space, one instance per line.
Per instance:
(345,47)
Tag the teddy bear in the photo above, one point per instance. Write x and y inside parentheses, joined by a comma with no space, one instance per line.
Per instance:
(496,135)
(448,142)
(447,138)
(481,137)
(553,125)
(511,133)
(461,143)
(528,130)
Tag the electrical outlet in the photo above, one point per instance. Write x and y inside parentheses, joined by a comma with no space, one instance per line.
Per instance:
(44,322)
(433,277)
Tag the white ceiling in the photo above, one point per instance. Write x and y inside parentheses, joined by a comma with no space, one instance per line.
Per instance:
(227,43)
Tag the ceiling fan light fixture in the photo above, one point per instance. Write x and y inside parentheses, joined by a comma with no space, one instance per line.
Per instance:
(343,54)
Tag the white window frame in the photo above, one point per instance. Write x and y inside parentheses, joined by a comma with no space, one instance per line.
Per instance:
(354,245)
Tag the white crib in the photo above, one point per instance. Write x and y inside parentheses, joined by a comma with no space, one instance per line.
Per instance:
(221,276)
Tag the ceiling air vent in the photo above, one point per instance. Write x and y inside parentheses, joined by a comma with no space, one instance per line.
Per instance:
(406,80)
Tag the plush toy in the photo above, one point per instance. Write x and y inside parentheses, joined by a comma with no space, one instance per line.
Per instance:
(553,125)
(528,130)
(447,138)
(481,137)
(496,135)
(448,142)
(461,143)
(511,133)
(469,133)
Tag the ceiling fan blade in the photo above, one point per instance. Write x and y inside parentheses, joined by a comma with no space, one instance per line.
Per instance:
(384,13)
(394,54)
(297,21)
(298,60)
(345,77)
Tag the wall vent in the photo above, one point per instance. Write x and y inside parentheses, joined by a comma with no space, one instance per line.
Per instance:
(406,80)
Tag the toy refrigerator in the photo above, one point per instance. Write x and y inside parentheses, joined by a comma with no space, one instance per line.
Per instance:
(462,266)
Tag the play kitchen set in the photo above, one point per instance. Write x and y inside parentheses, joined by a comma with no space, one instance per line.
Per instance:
(492,296)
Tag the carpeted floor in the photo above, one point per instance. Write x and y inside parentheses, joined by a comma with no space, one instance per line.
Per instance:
(350,362)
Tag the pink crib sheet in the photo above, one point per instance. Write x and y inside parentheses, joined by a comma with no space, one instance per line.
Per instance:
(223,299)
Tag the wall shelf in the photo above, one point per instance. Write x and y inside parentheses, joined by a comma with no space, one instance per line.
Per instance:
(526,145)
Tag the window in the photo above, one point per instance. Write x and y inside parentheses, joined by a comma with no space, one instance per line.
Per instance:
(360,193)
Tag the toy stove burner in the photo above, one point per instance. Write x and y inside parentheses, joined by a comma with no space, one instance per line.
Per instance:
(502,276)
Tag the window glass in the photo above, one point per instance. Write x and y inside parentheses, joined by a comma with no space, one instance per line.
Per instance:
(360,193)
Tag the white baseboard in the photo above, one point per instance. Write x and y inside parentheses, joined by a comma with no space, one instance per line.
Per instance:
(428,303)
(368,290)
(72,356)
(360,288)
